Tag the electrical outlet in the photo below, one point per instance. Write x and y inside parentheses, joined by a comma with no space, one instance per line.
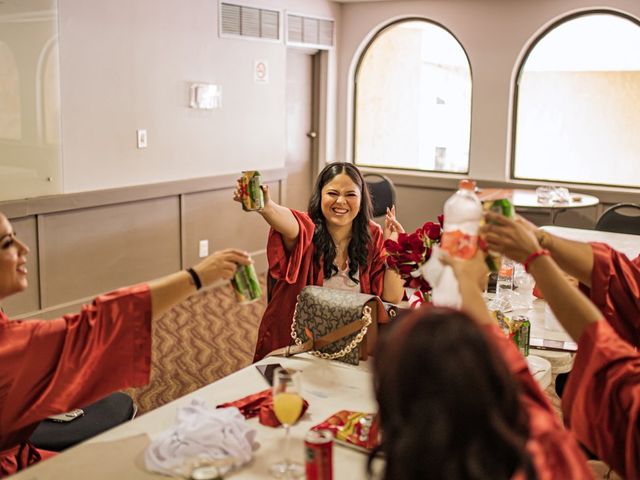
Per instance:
(142,138)
(203,248)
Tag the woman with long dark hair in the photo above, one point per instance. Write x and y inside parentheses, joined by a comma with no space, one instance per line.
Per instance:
(335,244)
(457,400)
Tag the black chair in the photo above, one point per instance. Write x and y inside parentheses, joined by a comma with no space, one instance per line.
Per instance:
(620,218)
(382,191)
(98,417)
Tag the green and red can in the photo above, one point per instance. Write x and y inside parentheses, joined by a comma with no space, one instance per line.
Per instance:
(246,285)
(520,330)
(251,191)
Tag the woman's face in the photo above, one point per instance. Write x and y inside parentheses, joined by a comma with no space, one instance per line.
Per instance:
(13,259)
(340,201)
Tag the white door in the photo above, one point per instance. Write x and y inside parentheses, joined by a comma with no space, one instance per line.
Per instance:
(300,133)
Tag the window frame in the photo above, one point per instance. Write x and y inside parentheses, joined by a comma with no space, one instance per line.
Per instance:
(516,91)
(354,82)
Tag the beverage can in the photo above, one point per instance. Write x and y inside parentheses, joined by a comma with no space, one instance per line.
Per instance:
(520,328)
(318,447)
(246,285)
(250,191)
(504,207)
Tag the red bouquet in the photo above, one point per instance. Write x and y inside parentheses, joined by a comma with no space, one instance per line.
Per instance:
(410,252)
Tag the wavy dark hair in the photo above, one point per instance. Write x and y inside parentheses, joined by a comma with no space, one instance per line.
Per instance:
(359,245)
(449,407)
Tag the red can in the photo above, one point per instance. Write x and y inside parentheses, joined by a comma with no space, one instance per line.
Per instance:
(318,446)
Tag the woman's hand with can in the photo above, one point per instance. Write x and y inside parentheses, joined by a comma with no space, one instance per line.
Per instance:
(221,265)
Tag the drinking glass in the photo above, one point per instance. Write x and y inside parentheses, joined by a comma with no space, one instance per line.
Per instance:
(524,284)
(287,405)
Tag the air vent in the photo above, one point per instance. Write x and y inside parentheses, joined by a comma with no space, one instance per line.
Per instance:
(245,21)
(309,31)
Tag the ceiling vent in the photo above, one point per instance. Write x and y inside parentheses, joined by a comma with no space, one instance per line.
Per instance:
(309,31)
(250,22)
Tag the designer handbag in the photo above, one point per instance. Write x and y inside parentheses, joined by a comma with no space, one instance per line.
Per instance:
(335,324)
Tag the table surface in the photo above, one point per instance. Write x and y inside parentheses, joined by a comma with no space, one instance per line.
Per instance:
(623,242)
(524,198)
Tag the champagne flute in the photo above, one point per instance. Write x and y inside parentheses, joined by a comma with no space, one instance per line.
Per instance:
(287,405)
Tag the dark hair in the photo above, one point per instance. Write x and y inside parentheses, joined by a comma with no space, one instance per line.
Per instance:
(325,249)
(449,407)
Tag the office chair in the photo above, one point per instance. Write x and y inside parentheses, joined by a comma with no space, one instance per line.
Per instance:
(98,417)
(382,191)
(620,218)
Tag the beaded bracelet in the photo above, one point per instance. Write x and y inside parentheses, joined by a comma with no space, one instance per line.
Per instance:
(543,252)
(196,278)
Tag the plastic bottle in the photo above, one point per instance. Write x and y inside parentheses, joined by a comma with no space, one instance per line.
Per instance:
(462,218)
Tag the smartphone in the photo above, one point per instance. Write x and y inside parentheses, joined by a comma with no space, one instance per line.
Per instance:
(67,417)
(268,370)
(557,345)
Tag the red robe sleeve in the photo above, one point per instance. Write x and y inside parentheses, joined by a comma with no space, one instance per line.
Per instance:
(285,265)
(554,450)
(374,282)
(601,402)
(52,366)
(615,290)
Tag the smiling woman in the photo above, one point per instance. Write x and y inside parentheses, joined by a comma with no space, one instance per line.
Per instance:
(334,244)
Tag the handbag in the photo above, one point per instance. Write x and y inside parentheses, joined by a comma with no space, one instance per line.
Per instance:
(335,324)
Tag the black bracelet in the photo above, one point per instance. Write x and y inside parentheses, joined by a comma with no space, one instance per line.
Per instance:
(196,278)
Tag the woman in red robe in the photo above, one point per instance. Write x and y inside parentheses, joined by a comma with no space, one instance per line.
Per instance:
(335,244)
(601,401)
(457,399)
(52,366)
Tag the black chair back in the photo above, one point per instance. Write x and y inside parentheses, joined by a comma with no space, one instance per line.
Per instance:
(382,191)
(620,218)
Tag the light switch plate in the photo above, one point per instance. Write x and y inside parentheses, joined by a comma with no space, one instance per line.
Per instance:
(203,250)
(142,138)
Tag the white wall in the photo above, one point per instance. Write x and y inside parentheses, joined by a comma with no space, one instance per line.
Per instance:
(494,33)
(128,65)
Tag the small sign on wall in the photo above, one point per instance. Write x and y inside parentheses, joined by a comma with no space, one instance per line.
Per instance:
(261,71)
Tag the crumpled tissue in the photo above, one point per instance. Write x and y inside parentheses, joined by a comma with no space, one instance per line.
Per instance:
(202,435)
(445,291)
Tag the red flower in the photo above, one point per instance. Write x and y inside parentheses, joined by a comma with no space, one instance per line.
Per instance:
(392,262)
(441,220)
(432,230)
(391,246)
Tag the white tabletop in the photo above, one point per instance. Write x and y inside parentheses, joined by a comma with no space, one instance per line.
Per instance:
(528,199)
(623,242)
(327,386)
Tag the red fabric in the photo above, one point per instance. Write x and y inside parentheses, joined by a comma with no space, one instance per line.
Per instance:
(52,366)
(554,450)
(615,289)
(260,404)
(295,270)
(601,401)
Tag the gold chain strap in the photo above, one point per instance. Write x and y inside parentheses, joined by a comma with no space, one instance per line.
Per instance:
(366,317)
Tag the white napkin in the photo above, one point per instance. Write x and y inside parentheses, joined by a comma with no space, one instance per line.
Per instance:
(202,434)
(445,291)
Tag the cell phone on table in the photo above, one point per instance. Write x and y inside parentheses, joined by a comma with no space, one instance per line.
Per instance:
(556,345)
(67,417)
(268,370)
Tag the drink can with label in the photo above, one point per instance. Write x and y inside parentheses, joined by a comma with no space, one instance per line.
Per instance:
(251,193)
(318,447)
(520,329)
(503,207)
(246,285)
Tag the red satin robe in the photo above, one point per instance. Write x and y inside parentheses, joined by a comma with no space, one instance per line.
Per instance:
(295,270)
(601,401)
(53,366)
(615,290)
(553,449)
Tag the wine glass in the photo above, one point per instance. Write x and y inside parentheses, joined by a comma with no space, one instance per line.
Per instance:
(287,405)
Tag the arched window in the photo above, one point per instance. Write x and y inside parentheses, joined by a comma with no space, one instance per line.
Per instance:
(578,103)
(10,102)
(50,79)
(413,100)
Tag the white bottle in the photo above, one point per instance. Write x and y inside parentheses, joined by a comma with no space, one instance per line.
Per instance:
(462,217)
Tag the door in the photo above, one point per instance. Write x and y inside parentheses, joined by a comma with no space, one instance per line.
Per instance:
(299,129)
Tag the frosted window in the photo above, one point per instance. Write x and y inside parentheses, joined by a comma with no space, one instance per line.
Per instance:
(413,100)
(578,94)
(10,110)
